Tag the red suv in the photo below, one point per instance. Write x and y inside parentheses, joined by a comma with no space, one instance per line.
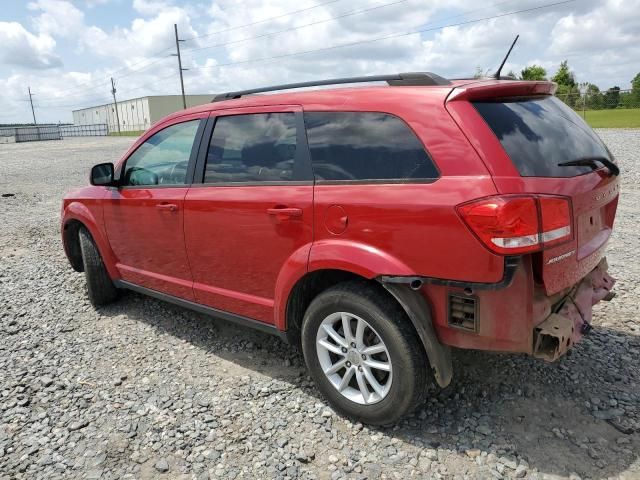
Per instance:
(376,227)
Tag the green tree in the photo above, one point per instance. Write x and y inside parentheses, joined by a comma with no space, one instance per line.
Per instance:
(569,95)
(635,85)
(564,76)
(628,100)
(633,99)
(593,97)
(480,73)
(533,72)
(612,98)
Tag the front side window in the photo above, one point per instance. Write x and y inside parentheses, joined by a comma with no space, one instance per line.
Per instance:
(361,146)
(256,147)
(163,158)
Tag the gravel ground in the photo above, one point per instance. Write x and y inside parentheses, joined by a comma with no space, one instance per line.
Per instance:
(142,389)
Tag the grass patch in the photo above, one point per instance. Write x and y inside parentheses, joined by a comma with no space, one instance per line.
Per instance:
(613,118)
(134,133)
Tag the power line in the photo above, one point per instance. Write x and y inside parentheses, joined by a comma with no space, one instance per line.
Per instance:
(129,67)
(89,91)
(106,82)
(133,71)
(289,29)
(114,72)
(305,52)
(93,90)
(257,22)
(331,19)
(105,98)
(386,37)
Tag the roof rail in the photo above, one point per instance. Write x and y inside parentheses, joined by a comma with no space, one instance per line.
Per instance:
(411,79)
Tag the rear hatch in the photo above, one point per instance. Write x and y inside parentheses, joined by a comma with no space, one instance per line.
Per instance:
(531,144)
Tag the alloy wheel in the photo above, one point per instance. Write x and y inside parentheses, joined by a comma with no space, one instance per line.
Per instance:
(354,358)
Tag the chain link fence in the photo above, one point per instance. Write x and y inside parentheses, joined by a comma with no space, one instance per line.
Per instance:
(29,134)
(128,128)
(96,130)
(607,100)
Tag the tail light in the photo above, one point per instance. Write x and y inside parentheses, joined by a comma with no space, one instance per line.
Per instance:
(510,225)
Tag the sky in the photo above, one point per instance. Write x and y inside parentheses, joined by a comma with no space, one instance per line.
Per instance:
(66,51)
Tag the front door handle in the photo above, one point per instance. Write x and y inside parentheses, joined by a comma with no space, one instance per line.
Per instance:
(285,212)
(171,207)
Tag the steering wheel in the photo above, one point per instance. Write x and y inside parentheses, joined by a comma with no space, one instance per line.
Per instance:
(171,178)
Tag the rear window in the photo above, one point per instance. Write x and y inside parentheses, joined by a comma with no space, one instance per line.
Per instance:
(539,133)
(365,146)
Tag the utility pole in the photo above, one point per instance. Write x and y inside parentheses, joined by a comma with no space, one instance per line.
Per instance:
(33,112)
(115,103)
(175,28)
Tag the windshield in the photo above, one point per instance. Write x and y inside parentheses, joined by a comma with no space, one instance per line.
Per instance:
(539,133)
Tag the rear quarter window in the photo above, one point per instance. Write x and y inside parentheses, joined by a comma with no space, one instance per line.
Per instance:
(539,133)
(365,146)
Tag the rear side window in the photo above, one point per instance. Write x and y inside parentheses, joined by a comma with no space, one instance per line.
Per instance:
(257,147)
(540,133)
(362,146)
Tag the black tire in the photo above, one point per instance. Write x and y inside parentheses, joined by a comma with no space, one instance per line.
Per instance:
(409,362)
(100,287)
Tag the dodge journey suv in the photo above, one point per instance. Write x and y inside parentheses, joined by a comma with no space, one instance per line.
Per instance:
(374,226)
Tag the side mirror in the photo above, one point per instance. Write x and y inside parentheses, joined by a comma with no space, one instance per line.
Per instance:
(102,174)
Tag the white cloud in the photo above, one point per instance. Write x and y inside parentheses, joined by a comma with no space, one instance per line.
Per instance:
(24,49)
(151,7)
(603,41)
(57,18)
(145,37)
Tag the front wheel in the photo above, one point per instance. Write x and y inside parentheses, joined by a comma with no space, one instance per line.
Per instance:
(100,288)
(363,353)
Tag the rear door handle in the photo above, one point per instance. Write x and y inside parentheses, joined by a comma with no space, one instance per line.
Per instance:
(285,211)
(171,207)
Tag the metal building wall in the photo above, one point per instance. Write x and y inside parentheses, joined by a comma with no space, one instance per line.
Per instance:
(162,105)
(137,113)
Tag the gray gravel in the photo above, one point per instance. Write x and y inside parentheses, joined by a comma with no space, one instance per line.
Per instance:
(142,389)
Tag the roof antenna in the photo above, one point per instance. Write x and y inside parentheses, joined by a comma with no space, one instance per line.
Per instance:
(497,74)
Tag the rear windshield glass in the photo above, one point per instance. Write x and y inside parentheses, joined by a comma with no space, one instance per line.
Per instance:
(540,133)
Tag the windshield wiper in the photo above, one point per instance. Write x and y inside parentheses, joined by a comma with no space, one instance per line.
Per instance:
(593,162)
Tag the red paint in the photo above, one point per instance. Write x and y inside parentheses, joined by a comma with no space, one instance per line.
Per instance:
(242,248)
(336,219)
(237,247)
(146,236)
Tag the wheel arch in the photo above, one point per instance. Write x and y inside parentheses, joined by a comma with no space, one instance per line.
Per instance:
(71,243)
(354,259)
(77,215)
(412,302)
(305,289)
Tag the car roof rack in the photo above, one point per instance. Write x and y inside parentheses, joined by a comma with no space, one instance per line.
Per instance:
(411,79)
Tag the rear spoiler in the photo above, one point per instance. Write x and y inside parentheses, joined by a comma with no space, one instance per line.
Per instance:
(485,90)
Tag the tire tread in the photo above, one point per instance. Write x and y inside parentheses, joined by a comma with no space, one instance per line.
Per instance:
(368,295)
(100,287)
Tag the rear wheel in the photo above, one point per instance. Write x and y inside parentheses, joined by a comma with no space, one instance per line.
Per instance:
(364,354)
(100,288)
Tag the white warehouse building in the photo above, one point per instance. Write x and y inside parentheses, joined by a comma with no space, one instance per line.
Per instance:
(137,113)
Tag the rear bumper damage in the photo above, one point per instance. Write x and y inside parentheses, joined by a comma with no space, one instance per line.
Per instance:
(571,317)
